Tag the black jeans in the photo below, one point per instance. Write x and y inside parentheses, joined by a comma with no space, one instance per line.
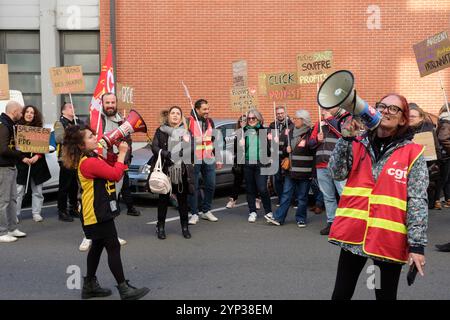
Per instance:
(349,268)
(126,191)
(238,173)
(68,188)
(164,200)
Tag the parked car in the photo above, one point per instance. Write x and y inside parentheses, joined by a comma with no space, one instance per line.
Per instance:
(139,170)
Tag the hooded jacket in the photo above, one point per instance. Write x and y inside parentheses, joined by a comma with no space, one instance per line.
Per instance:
(9,156)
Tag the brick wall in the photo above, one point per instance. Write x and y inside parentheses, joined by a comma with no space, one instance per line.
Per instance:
(161,42)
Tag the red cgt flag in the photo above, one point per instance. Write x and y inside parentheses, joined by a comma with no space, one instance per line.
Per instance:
(105,84)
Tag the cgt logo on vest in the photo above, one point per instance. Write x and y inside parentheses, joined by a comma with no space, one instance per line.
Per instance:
(398,174)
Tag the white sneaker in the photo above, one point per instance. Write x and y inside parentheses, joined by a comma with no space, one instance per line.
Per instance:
(193,219)
(17,233)
(269,215)
(85,244)
(209,216)
(37,218)
(7,238)
(258,203)
(121,241)
(231,204)
(271,220)
(252,217)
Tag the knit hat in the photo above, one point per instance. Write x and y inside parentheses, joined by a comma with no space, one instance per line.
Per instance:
(303,114)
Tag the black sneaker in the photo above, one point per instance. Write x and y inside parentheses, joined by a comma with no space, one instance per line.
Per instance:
(443,247)
(133,212)
(63,216)
(326,231)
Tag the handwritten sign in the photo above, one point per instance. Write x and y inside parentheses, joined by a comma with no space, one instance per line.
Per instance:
(33,139)
(262,89)
(433,54)
(67,80)
(240,73)
(4,82)
(314,67)
(283,86)
(427,140)
(243,99)
(125,96)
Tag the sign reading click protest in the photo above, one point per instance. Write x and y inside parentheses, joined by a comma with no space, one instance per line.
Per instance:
(4,82)
(282,86)
(33,139)
(433,54)
(314,67)
(243,99)
(67,80)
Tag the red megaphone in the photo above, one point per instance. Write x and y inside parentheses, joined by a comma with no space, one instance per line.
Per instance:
(133,123)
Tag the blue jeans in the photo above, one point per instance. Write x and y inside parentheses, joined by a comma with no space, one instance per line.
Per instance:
(328,186)
(208,172)
(278,183)
(255,182)
(299,188)
(318,196)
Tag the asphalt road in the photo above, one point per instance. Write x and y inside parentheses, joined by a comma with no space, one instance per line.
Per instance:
(229,259)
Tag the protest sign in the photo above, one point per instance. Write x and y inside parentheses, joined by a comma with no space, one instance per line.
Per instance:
(243,99)
(262,90)
(33,139)
(125,95)
(427,140)
(282,86)
(433,54)
(67,80)
(314,67)
(240,73)
(4,82)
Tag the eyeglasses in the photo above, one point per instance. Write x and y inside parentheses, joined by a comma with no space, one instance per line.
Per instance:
(391,109)
(251,118)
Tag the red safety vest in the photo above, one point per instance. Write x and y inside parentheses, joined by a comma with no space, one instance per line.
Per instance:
(374,214)
(204,149)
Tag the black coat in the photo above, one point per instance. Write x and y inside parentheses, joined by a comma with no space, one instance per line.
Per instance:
(39,171)
(161,142)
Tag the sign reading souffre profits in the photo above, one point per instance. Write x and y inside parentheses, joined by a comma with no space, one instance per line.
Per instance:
(243,99)
(314,67)
(283,86)
(32,139)
(433,54)
(67,80)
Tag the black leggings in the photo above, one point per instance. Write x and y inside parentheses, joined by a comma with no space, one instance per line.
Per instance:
(112,246)
(350,266)
(164,200)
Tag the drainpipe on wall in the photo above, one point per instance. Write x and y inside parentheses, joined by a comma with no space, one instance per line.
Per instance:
(112,26)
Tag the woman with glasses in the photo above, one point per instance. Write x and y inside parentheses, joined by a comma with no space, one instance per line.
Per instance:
(420,122)
(256,180)
(383,212)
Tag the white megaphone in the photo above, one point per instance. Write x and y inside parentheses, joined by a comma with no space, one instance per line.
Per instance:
(337,91)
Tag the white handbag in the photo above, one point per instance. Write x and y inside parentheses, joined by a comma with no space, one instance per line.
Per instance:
(158,181)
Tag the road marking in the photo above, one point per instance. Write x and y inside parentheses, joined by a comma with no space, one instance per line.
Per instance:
(47,206)
(213,210)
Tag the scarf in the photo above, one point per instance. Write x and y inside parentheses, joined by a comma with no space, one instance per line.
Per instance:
(296,135)
(174,145)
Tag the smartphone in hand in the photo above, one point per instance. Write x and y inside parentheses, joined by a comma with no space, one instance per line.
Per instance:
(411,274)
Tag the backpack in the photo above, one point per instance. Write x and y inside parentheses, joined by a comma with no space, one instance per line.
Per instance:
(159,182)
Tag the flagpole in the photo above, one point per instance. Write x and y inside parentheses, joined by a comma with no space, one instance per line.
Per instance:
(28,176)
(186,91)
(320,115)
(443,91)
(73,108)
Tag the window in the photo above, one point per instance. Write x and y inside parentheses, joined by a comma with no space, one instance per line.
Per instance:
(21,51)
(82,48)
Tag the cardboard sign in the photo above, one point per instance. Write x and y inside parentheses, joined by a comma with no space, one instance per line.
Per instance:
(427,140)
(240,73)
(433,54)
(243,99)
(262,89)
(4,82)
(283,86)
(67,80)
(125,96)
(33,139)
(314,67)
(14,95)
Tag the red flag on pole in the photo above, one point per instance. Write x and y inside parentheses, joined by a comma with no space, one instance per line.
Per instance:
(105,84)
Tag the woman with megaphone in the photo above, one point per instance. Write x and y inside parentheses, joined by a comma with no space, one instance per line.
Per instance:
(97,177)
(383,212)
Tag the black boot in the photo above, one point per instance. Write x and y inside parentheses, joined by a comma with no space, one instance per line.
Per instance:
(326,231)
(73,212)
(185,231)
(63,216)
(132,211)
(443,247)
(91,289)
(128,292)
(160,231)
